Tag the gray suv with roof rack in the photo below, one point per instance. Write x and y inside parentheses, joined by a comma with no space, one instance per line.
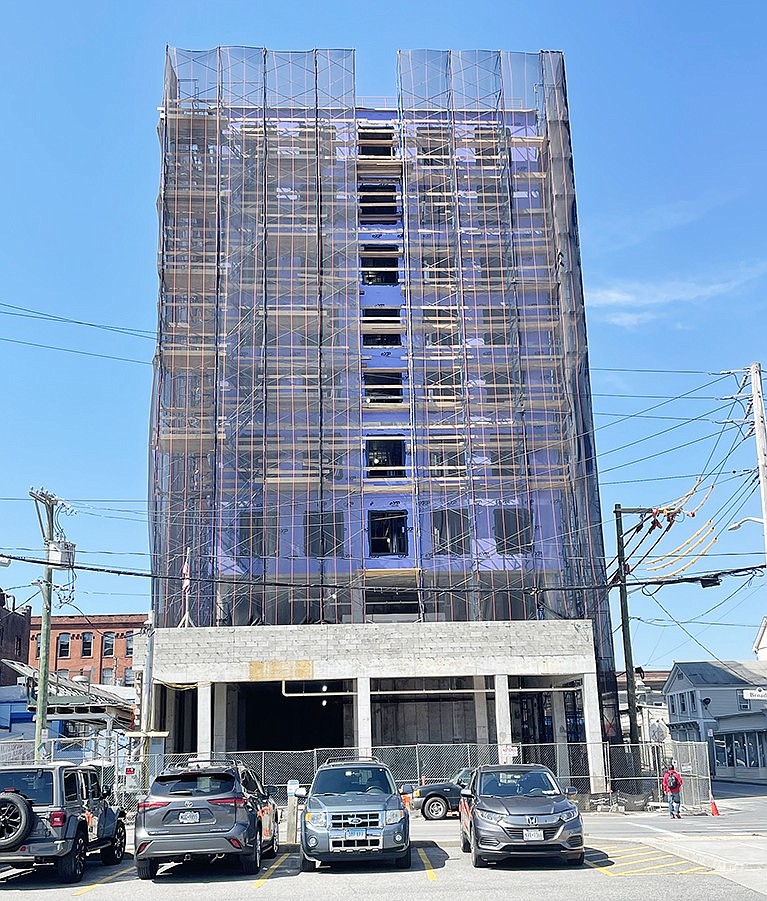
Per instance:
(56,813)
(354,812)
(209,810)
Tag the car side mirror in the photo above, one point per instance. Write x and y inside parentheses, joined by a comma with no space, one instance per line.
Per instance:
(271,790)
(467,793)
(571,791)
(406,790)
(300,792)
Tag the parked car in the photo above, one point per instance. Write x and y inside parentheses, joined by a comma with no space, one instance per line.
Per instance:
(57,813)
(354,812)
(435,800)
(206,810)
(514,810)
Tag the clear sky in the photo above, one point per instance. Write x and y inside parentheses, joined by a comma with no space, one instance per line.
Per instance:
(666,102)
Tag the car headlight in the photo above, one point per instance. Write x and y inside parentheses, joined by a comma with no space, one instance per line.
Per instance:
(316,817)
(489,816)
(417,793)
(394,816)
(568,815)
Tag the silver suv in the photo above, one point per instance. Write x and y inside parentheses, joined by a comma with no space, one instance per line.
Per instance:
(354,811)
(57,813)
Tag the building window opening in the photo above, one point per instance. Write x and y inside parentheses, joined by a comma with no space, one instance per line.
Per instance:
(499,327)
(37,646)
(443,387)
(450,531)
(743,702)
(513,527)
(324,534)
(382,387)
(108,644)
(257,534)
(379,264)
(392,604)
(387,530)
(108,676)
(378,204)
(376,142)
(441,328)
(385,459)
(129,677)
(446,461)
(87,644)
(381,327)
(62,645)
(129,644)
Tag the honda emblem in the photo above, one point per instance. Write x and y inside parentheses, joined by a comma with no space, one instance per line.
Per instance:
(532,821)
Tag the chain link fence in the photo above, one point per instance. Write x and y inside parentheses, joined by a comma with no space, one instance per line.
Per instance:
(622,777)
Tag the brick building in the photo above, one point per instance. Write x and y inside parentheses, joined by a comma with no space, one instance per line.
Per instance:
(99,647)
(14,636)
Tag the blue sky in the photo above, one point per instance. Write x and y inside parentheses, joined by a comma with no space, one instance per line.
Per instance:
(668,133)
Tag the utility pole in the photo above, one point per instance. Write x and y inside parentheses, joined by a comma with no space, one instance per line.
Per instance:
(760,432)
(628,654)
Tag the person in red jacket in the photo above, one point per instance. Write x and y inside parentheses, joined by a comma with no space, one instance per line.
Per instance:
(672,783)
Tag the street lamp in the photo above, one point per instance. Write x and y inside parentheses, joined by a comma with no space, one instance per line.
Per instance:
(736,525)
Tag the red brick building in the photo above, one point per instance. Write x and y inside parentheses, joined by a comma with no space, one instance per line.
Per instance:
(99,647)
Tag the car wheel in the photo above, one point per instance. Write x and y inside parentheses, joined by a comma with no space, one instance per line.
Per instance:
(147,868)
(306,865)
(434,808)
(576,861)
(115,852)
(71,866)
(465,843)
(404,862)
(274,848)
(251,863)
(15,819)
(476,860)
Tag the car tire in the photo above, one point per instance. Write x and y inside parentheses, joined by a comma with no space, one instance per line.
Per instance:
(15,819)
(274,847)
(251,863)
(115,851)
(576,861)
(406,861)
(477,860)
(434,808)
(305,865)
(465,843)
(147,868)
(71,866)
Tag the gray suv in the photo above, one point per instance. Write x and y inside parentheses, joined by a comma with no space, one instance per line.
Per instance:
(206,810)
(354,812)
(57,813)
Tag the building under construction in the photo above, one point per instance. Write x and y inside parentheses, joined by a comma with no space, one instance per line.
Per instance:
(372,439)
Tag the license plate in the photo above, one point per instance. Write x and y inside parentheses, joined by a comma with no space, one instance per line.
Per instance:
(189,816)
(532,835)
(355,833)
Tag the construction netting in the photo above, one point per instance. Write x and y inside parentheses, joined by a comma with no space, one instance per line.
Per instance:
(371,386)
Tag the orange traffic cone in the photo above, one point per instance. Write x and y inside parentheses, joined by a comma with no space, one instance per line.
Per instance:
(714,808)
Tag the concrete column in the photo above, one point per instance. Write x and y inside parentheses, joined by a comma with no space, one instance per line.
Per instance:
(204,730)
(480,710)
(220,690)
(593,722)
(232,724)
(363,717)
(559,722)
(169,725)
(502,710)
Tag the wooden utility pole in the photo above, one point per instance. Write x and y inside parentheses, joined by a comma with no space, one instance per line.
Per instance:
(760,432)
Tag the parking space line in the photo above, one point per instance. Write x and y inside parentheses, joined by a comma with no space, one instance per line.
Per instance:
(675,861)
(602,869)
(109,878)
(693,870)
(267,873)
(632,857)
(630,863)
(427,864)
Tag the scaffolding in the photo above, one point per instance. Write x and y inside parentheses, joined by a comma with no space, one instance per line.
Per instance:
(371,390)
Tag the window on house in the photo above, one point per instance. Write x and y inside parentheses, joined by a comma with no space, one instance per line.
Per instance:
(378,204)
(37,646)
(693,704)
(682,703)
(87,644)
(108,645)
(450,530)
(129,678)
(108,676)
(387,533)
(379,264)
(743,702)
(671,704)
(446,461)
(129,644)
(443,387)
(513,528)
(385,458)
(382,387)
(376,323)
(257,534)
(62,645)
(324,534)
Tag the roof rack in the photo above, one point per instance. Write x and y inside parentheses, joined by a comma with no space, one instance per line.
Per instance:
(353,760)
(198,763)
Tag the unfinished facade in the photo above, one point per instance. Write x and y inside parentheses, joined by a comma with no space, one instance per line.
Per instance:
(371,400)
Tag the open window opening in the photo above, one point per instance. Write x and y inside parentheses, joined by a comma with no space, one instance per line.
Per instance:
(257,534)
(379,264)
(443,387)
(379,325)
(513,530)
(392,604)
(446,461)
(376,142)
(499,327)
(382,387)
(378,204)
(385,458)
(442,328)
(324,534)
(387,532)
(450,531)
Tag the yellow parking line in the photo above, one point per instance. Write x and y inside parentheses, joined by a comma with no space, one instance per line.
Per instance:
(673,863)
(630,863)
(631,857)
(267,873)
(109,878)
(427,863)
(602,869)
(612,851)
(693,870)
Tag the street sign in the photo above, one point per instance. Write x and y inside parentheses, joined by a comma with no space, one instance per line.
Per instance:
(756,694)
(507,753)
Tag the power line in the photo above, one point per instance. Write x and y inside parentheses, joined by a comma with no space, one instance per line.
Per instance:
(26,313)
(82,353)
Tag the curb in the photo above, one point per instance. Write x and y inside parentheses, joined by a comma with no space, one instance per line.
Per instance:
(704,858)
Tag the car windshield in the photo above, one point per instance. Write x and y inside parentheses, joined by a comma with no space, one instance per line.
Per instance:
(34,784)
(510,783)
(193,784)
(341,780)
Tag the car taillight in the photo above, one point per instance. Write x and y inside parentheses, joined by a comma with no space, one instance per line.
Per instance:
(235,802)
(58,818)
(152,805)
